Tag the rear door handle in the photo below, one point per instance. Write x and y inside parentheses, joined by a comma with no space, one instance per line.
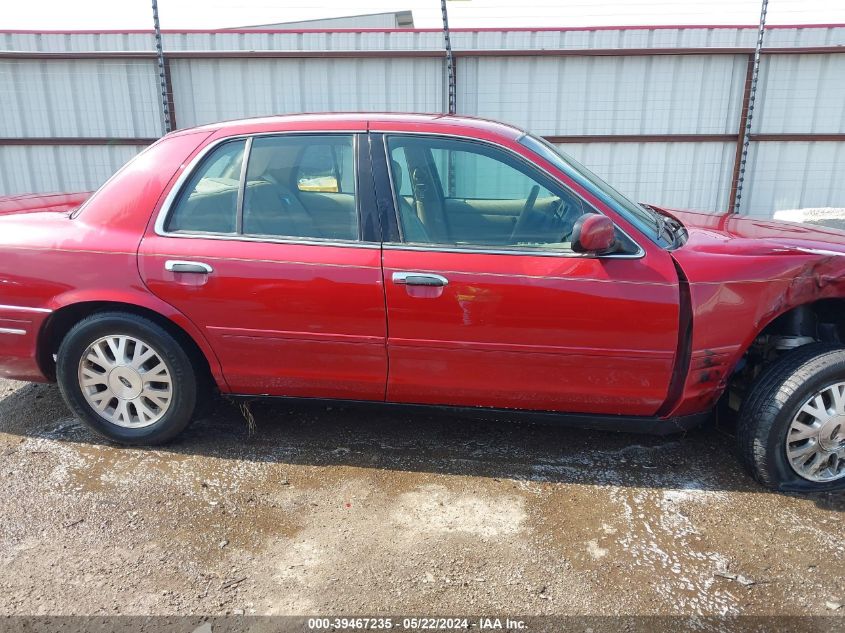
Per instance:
(420,279)
(176,266)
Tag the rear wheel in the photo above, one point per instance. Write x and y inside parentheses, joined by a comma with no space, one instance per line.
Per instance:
(127,378)
(791,428)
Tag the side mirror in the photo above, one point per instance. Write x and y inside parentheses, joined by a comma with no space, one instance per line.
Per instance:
(593,233)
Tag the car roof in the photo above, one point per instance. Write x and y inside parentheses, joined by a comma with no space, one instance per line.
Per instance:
(362,121)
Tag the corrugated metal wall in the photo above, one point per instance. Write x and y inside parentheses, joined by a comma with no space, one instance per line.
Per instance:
(48,168)
(802,93)
(207,90)
(677,174)
(657,111)
(799,94)
(668,94)
(305,41)
(80,98)
(429,39)
(795,175)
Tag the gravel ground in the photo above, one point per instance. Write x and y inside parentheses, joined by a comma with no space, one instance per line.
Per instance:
(336,510)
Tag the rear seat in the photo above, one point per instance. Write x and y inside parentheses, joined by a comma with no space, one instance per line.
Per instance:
(209,209)
(272,209)
(269,209)
(334,213)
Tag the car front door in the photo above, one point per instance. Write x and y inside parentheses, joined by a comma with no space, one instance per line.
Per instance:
(487,303)
(262,245)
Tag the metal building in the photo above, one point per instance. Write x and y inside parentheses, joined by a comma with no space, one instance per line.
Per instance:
(658,111)
(388,20)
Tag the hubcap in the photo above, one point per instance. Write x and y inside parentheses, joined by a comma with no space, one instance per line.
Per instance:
(126,381)
(815,443)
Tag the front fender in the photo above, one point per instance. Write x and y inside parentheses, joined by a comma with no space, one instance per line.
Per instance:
(729,315)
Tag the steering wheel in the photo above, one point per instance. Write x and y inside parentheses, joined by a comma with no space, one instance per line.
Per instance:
(560,211)
(525,214)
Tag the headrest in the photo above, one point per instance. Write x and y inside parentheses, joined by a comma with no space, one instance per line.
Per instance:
(396,168)
(271,154)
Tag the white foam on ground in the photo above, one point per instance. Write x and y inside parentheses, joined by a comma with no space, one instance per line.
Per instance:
(435,508)
(659,536)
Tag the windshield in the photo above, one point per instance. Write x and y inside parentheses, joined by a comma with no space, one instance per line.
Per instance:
(645,219)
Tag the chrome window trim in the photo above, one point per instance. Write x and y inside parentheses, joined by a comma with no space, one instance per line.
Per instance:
(600,194)
(239,204)
(191,167)
(487,250)
(187,172)
(482,250)
(261,239)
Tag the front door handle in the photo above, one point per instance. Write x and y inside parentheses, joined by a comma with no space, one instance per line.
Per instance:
(176,266)
(420,279)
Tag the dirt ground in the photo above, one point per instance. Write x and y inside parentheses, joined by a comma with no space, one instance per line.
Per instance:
(335,511)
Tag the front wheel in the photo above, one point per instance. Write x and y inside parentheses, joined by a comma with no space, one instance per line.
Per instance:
(127,378)
(791,429)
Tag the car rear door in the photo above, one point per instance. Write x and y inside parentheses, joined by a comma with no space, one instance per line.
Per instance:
(267,244)
(490,308)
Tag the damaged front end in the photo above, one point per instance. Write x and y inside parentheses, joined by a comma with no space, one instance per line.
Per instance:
(810,310)
(758,289)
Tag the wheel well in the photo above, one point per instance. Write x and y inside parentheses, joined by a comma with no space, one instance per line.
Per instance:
(823,320)
(62,320)
(820,322)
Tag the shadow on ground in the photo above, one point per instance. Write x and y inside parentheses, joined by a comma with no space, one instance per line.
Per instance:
(320,434)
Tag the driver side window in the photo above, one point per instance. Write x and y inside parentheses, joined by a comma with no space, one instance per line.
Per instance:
(461,193)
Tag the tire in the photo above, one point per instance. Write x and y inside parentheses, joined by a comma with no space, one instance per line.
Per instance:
(770,409)
(133,418)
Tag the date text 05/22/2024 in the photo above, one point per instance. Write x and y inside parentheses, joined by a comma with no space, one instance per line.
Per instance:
(417,624)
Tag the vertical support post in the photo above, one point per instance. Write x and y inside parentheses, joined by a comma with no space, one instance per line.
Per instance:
(450,60)
(740,139)
(745,133)
(171,109)
(163,72)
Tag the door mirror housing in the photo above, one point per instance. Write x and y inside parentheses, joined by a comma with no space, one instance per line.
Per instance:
(593,233)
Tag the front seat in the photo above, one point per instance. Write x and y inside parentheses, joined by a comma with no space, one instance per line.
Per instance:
(413,230)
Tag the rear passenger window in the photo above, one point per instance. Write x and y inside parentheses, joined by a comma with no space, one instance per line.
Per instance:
(208,203)
(301,186)
(295,186)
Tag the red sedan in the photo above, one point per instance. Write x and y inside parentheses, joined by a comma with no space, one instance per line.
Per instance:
(426,260)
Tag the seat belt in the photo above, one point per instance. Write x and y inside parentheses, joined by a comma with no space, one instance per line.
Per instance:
(431,221)
(419,188)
